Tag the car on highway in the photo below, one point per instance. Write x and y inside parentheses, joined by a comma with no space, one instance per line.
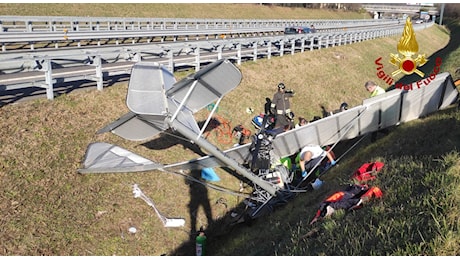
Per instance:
(296,30)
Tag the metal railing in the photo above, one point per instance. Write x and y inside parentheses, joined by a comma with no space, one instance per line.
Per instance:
(14,62)
(99,64)
(71,23)
(40,35)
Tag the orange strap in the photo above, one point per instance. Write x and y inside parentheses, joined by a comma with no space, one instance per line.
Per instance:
(336,196)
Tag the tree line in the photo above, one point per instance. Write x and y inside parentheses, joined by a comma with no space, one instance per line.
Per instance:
(450,10)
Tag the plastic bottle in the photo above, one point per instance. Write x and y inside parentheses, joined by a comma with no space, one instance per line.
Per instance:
(201,244)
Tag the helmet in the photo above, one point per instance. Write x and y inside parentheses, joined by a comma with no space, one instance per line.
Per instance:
(344,106)
(281,86)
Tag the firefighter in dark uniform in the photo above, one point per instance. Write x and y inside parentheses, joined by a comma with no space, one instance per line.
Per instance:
(281,106)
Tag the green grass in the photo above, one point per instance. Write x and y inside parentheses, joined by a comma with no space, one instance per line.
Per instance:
(48,209)
(171,10)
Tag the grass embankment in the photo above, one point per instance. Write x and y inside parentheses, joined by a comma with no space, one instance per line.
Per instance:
(48,209)
(171,10)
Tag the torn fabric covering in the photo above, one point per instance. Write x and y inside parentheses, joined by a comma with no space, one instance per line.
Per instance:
(105,158)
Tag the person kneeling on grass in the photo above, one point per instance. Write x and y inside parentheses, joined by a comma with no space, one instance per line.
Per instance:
(312,155)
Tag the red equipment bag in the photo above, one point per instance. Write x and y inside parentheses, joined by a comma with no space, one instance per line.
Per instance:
(367,171)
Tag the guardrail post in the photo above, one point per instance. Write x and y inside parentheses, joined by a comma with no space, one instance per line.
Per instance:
(48,79)
(292,46)
(281,48)
(171,61)
(269,50)
(238,53)
(197,58)
(255,52)
(302,45)
(219,52)
(137,57)
(97,62)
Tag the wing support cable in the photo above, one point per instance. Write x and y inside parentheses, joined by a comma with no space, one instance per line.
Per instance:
(347,151)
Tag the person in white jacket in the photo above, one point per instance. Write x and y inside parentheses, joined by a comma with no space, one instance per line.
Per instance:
(312,155)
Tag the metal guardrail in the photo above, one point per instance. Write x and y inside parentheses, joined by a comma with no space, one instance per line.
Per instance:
(186,30)
(74,23)
(13,62)
(22,61)
(93,65)
(398,8)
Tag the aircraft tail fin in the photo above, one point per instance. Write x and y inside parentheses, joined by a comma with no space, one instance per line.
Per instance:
(154,97)
(134,127)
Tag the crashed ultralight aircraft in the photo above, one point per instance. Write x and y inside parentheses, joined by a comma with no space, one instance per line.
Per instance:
(158,103)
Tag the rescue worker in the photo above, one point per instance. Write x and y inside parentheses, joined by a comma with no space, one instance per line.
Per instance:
(373,88)
(302,122)
(281,106)
(312,155)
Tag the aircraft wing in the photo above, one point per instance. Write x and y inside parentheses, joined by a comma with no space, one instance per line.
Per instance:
(107,158)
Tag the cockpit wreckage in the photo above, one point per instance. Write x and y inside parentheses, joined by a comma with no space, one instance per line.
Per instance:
(158,103)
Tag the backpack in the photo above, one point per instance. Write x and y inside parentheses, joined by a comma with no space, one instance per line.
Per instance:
(241,133)
(367,171)
(257,121)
